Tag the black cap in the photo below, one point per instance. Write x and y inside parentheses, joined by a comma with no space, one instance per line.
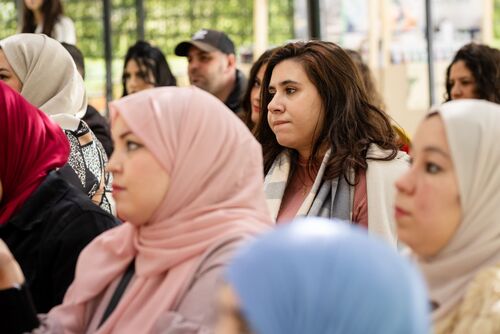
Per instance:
(207,40)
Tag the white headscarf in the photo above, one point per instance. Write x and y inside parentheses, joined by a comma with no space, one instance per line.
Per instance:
(49,76)
(473,132)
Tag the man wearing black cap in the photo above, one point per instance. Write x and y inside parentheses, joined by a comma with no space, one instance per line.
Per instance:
(212,66)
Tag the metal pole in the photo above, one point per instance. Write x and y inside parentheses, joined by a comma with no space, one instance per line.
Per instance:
(19,10)
(429,34)
(313,17)
(108,51)
(140,17)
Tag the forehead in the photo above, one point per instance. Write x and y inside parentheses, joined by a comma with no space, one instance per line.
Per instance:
(460,68)
(118,126)
(289,70)
(3,60)
(431,132)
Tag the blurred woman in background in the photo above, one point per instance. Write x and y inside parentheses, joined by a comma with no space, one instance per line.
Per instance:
(145,66)
(47,17)
(474,73)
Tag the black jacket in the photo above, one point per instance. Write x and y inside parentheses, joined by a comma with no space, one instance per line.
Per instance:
(100,127)
(48,233)
(233,101)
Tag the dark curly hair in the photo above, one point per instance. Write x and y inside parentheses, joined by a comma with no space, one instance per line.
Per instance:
(351,122)
(484,64)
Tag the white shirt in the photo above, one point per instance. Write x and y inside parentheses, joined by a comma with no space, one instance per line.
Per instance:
(64,30)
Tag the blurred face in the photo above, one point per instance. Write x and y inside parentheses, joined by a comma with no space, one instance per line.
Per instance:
(33,5)
(207,70)
(428,209)
(8,75)
(139,181)
(255,94)
(295,113)
(230,320)
(137,78)
(462,82)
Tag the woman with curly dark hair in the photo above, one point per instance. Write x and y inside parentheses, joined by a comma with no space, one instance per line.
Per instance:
(145,66)
(47,17)
(474,73)
(327,150)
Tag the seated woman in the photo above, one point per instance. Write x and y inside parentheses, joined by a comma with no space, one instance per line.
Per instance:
(44,221)
(327,150)
(447,211)
(188,183)
(313,276)
(44,73)
(47,17)
(251,98)
(474,73)
(145,66)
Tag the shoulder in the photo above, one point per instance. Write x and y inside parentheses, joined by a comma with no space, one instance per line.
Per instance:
(64,30)
(479,311)
(220,254)
(74,206)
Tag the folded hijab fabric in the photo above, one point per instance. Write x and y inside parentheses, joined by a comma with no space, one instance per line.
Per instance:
(313,276)
(473,132)
(30,146)
(215,194)
(49,76)
(52,83)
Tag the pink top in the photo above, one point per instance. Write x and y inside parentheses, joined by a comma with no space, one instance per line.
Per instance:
(300,185)
(296,191)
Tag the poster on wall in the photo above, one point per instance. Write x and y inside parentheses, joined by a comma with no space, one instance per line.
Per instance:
(455,23)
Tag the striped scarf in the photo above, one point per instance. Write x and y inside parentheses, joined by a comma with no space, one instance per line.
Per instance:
(327,198)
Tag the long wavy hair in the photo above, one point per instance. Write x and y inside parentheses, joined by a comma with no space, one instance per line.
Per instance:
(52,10)
(351,122)
(484,64)
(151,59)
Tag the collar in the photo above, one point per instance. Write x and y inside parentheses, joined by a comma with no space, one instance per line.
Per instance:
(233,102)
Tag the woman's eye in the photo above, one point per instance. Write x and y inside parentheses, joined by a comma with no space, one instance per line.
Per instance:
(432,168)
(256,84)
(290,90)
(132,146)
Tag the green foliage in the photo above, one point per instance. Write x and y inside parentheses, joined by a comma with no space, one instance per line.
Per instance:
(167,22)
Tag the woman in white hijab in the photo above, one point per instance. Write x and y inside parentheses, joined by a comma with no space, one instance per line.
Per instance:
(44,73)
(448,213)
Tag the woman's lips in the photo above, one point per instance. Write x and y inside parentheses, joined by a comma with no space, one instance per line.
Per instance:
(400,213)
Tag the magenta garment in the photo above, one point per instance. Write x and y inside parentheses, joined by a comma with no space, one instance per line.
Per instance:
(30,146)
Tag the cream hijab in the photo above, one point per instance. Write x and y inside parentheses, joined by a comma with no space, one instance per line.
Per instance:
(473,132)
(49,76)
(215,195)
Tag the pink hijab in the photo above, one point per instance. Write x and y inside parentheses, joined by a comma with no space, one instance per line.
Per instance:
(215,195)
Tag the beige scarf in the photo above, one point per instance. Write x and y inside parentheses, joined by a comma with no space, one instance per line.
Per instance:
(473,132)
(50,79)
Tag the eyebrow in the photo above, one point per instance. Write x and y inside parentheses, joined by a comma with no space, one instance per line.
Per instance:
(125,134)
(286,82)
(434,149)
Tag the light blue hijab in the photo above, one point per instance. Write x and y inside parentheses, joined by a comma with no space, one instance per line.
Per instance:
(316,276)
